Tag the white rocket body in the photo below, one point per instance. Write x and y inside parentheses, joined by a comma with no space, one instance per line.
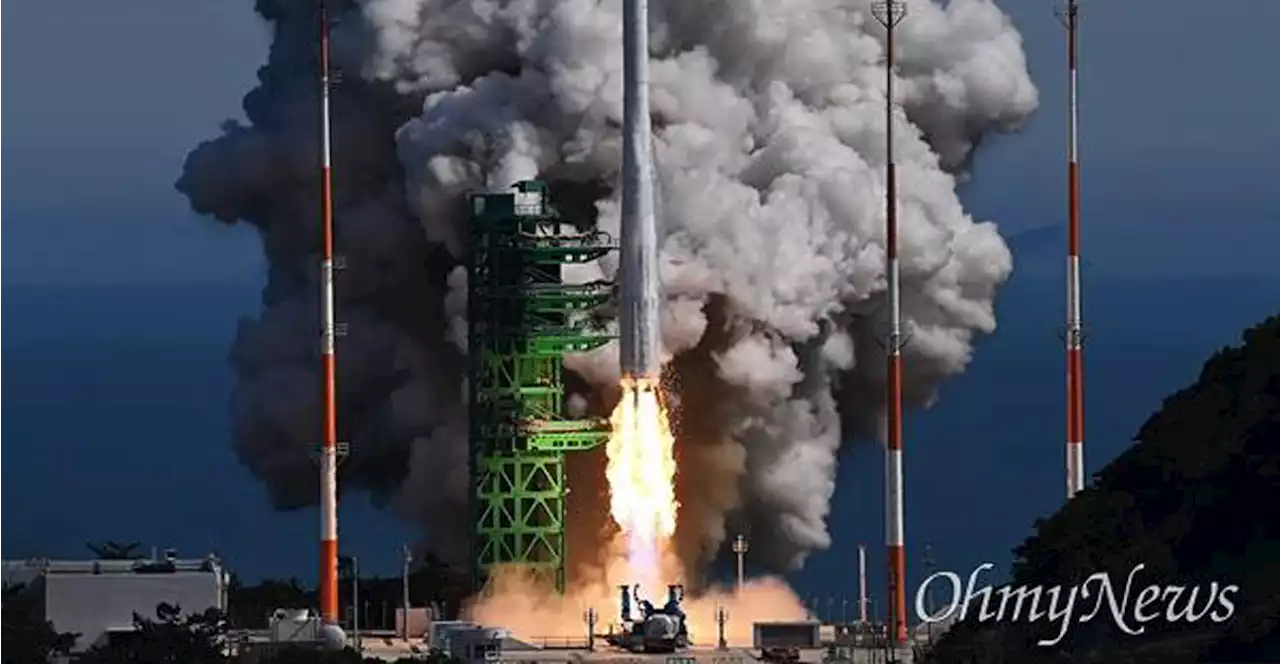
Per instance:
(639,317)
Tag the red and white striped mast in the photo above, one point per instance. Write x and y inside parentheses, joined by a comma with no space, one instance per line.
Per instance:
(1074,333)
(328,582)
(889,14)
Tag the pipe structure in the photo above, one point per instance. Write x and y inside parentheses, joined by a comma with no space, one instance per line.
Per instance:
(889,14)
(407,554)
(640,349)
(328,582)
(1074,335)
(862,583)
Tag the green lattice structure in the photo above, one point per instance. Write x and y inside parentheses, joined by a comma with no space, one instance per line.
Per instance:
(523,320)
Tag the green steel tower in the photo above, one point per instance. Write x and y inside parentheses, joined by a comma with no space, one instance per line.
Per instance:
(523,320)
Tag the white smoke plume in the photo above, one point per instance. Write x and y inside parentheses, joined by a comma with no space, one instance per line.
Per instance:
(769,137)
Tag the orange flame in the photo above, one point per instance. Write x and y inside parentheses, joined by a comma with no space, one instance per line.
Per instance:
(641,472)
(642,465)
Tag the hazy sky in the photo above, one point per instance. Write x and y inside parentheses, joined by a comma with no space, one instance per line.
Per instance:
(106,99)
(1179,137)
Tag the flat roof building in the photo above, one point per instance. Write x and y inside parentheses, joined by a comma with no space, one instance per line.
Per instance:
(94,598)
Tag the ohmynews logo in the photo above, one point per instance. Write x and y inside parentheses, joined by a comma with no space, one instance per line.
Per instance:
(1180,603)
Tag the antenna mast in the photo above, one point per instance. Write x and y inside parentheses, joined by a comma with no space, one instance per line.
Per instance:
(862,584)
(328,582)
(889,14)
(1074,333)
(740,548)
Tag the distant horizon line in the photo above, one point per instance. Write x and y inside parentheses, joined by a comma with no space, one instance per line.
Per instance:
(1035,272)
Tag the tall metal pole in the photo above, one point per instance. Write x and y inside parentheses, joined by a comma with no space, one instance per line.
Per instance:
(1074,335)
(862,583)
(590,618)
(889,14)
(355,602)
(740,548)
(328,582)
(404,586)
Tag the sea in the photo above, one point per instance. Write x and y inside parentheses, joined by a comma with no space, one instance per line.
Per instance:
(117,419)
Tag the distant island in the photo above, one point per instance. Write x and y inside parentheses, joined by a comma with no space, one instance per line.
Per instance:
(1196,502)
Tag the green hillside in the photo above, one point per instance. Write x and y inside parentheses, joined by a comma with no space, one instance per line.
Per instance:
(1197,500)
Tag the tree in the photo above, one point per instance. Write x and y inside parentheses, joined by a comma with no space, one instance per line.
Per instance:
(113,550)
(27,636)
(302,655)
(198,638)
(249,606)
(1192,500)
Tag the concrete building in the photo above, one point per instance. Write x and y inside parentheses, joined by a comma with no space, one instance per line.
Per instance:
(95,598)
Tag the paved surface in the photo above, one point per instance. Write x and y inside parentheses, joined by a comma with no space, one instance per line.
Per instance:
(392,649)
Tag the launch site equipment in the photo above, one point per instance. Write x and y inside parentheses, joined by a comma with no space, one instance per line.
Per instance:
(523,320)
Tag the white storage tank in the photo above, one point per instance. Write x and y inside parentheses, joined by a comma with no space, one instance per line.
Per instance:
(294,625)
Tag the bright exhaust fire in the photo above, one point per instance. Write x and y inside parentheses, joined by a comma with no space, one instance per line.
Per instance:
(641,472)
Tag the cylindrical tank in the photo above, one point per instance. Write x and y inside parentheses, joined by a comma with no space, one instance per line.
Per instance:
(332,637)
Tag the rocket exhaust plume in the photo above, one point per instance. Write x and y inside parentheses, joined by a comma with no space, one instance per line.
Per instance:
(641,471)
(768,134)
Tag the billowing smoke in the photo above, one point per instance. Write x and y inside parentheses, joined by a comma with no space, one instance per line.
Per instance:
(769,132)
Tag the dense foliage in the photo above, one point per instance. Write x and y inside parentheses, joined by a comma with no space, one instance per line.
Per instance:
(431,582)
(27,636)
(172,636)
(1196,500)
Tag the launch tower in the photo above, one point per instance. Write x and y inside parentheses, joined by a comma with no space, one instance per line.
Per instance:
(523,320)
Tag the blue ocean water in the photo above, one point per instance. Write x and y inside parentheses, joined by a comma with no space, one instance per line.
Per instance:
(117,402)
(116,415)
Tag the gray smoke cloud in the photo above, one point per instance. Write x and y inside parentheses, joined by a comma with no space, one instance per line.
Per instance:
(769,133)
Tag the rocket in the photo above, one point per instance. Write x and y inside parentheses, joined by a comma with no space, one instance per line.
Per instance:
(639,329)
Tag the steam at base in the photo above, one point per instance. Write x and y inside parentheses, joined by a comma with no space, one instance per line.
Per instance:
(532,612)
(641,474)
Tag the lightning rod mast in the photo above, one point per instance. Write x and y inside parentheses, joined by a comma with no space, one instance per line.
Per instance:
(1074,332)
(889,14)
(328,581)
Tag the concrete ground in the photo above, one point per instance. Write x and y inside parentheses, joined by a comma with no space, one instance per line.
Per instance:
(392,649)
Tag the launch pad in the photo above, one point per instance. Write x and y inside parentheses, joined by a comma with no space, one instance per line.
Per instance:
(655,629)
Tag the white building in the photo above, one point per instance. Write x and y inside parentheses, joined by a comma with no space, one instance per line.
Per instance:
(94,598)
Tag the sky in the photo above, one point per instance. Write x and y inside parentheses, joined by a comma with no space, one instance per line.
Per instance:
(1178,137)
(1178,141)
